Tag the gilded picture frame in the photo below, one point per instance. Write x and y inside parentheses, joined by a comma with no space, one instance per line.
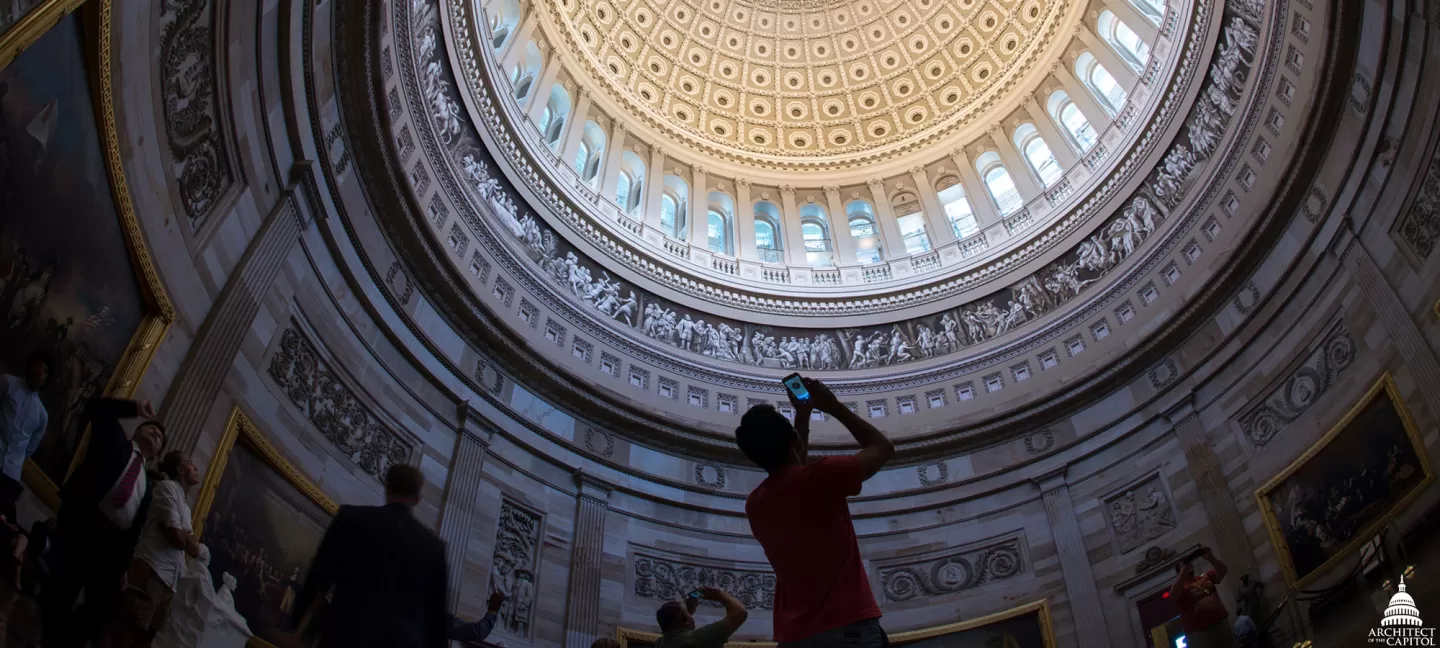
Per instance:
(1041,607)
(28,29)
(159,310)
(239,429)
(1384,386)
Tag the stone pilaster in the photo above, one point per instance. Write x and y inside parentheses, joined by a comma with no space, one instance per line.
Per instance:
(1391,311)
(203,371)
(582,612)
(1223,516)
(462,489)
(1085,608)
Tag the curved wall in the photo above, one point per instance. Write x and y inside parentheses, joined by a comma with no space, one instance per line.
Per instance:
(296,301)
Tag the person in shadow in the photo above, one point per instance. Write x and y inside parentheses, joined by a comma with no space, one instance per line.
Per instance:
(106,502)
(388,575)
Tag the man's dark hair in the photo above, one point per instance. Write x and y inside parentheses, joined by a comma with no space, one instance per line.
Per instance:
(39,356)
(670,616)
(170,464)
(164,435)
(765,436)
(403,481)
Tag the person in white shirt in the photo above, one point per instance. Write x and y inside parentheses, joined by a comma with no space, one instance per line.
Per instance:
(159,556)
(23,420)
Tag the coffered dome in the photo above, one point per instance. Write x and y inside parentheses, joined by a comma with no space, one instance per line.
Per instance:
(813,84)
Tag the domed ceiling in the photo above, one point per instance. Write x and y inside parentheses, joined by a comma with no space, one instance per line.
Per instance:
(814,84)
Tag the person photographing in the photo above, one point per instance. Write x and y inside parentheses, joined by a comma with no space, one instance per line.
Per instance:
(800,516)
(1202,613)
(677,621)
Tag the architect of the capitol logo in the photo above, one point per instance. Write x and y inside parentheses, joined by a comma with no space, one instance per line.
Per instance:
(1402,625)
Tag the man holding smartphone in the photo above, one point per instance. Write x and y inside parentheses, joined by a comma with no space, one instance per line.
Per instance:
(677,621)
(802,520)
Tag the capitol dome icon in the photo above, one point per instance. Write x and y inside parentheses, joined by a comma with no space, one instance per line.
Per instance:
(1402,611)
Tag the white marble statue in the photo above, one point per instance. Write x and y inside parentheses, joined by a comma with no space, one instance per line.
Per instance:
(200,617)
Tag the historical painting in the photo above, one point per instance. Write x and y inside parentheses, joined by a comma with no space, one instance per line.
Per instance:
(22,21)
(67,281)
(1347,486)
(263,523)
(1027,626)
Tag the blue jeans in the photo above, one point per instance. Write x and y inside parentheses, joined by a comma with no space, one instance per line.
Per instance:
(863,634)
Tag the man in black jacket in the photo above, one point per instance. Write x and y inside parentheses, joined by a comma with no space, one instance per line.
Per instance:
(104,506)
(388,573)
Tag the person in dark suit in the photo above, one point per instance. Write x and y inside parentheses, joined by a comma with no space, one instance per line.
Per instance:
(388,573)
(105,504)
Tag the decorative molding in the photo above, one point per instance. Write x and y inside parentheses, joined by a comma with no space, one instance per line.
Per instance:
(1164,373)
(1304,386)
(1154,557)
(932,474)
(330,404)
(189,87)
(599,442)
(1039,442)
(669,578)
(1419,227)
(953,571)
(514,567)
(1139,513)
(710,475)
(1247,298)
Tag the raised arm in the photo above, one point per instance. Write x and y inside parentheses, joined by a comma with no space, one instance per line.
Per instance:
(1216,564)
(803,409)
(735,612)
(875,448)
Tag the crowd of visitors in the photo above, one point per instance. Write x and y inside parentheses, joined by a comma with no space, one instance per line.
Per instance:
(107,567)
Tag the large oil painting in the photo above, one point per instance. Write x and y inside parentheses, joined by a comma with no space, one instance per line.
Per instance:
(67,281)
(263,522)
(24,21)
(1026,626)
(1347,486)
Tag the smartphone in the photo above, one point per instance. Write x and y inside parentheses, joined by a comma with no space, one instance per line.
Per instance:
(695,594)
(796,386)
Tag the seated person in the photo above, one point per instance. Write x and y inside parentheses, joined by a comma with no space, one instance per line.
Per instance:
(677,621)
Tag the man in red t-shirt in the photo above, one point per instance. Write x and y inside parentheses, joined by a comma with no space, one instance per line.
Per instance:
(800,516)
(1202,614)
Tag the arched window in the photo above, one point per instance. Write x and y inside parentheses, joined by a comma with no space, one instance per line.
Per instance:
(999,183)
(674,202)
(1038,155)
(1104,86)
(717,222)
(861,218)
(768,242)
(912,231)
(622,191)
(958,211)
(552,118)
(522,76)
(815,235)
(1072,121)
(504,15)
(590,154)
(630,189)
(1128,44)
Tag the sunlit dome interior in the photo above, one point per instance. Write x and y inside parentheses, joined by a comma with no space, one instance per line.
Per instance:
(1120,280)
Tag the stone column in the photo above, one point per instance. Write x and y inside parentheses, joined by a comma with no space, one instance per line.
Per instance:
(515,45)
(696,224)
(576,129)
(1223,516)
(980,202)
(1060,145)
(794,239)
(941,233)
(744,222)
(654,188)
(211,355)
(844,242)
(1393,315)
(462,490)
(610,168)
(1020,172)
(1116,66)
(885,221)
(540,93)
(1094,113)
(582,611)
(1089,615)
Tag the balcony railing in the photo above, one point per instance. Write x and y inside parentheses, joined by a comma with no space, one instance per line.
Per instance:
(770,255)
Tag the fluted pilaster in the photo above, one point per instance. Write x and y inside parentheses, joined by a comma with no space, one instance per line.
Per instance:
(187,405)
(582,612)
(1090,628)
(462,490)
(1220,510)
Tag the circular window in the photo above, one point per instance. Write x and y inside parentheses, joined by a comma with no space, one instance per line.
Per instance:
(891,61)
(799,140)
(762,49)
(723,99)
(715,6)
(760,78)
(879,129)
(842,18)
(935,71)
(1011,43)
(859,72)
(827,79)
(902,19)
(792,52)
(645,94)
(916,116)
(790,24)
(697,58)
(981,72)
(849,44)
(833,108)
(902,88)
(602,14)
(965,47)
(952,96)
(944,24)
(793,81)
(760,137)
(815,24)
(720,128)
(682,115)
(642,17)
(706,31)
(727,71)
(865,9)
(764,22)
(759,108)
(682,15)
(869,101)
(918,45)
(839,138)
(821,49)
(877,34)
(733,42)
(626,43)
(667,40)
(797,111)
(689,85)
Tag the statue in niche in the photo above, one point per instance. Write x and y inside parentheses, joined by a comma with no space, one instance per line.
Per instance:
(1139,517)
(512,569)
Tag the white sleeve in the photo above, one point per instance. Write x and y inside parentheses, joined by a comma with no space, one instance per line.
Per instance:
(168,505)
